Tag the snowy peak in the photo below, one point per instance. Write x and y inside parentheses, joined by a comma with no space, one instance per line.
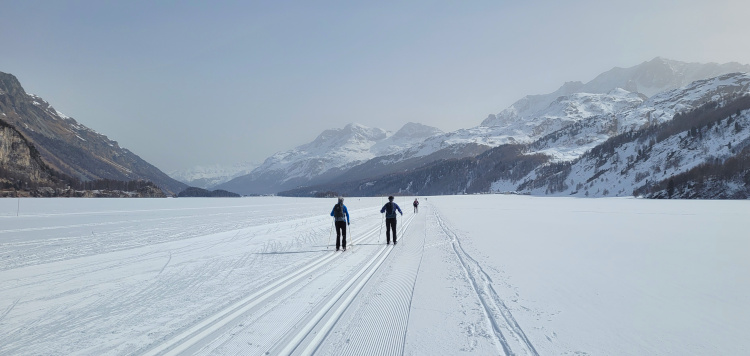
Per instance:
(332,149)
(648,78)
(332,153)
(416,131)
(529,105)
(562,112)
(658,75)
(338,148)
(663,107)
(352,136)
(578,106)
(410,135)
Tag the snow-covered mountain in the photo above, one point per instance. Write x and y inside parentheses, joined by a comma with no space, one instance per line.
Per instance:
(536,116)
(333,152)
(207,177)
(560,113)
(647,78)
(713,126)
(561,126)
(634,146)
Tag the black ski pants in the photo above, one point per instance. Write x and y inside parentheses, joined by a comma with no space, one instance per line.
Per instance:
(390,224)
(340,231)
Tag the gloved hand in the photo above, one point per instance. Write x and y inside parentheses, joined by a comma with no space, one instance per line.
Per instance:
(347,223)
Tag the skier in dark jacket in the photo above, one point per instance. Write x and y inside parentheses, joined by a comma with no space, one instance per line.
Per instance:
(341,217)
(416,205)
(390,219)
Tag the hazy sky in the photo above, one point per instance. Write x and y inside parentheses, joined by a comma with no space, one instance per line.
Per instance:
(184,83)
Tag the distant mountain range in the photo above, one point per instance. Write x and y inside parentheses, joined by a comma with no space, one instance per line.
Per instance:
(692,142)
(207,177)
(662,128)
(519,148)
(69,148)
(331,154)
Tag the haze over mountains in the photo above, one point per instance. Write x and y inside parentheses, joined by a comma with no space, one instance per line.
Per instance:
(580,116)
(207,177)
(614,135)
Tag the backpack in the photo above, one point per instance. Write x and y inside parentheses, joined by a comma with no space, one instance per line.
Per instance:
(338,212)
(389,211)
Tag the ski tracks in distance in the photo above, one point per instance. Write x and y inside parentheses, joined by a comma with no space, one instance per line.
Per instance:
(507,332)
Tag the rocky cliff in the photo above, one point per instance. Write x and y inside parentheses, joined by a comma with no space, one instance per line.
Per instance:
(21,166)
(69,147)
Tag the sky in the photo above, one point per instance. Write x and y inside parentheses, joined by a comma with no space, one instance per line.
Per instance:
(188,83)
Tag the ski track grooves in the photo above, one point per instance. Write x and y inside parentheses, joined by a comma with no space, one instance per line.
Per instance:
(204,329)
(318,328)
(308,338)
(498,314)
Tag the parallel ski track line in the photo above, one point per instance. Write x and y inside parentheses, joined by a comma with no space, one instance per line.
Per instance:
(384,303)
(278,334)
(318,327)
(203,330)
(492,304)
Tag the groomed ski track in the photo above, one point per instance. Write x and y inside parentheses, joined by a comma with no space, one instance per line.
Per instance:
(301,332)
(241,287)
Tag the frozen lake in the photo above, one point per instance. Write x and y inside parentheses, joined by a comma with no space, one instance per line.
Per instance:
(484,275)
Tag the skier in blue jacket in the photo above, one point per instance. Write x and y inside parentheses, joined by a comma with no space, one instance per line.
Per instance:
(390,219)
(341,217)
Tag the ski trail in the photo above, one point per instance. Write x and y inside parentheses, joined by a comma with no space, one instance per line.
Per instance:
(377,318)
(192,336)
(498,314)
(166,264)
(420,253)
(10,308)
(216,292)
(374,263)
(309,338)
(210,329)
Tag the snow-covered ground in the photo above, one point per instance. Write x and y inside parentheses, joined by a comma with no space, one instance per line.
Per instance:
(480,275)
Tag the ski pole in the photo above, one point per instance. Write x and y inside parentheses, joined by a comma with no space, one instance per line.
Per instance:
(329,235)
(382,222)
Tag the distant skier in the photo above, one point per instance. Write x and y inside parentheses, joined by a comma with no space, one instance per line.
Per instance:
(341,217)
(416,205)
(390,219)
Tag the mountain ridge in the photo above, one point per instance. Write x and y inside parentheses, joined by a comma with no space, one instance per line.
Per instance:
(331,154)
(70,147)
(563,135)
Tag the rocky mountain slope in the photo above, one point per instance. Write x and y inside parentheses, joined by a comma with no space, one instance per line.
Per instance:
(69,147)
(21,165)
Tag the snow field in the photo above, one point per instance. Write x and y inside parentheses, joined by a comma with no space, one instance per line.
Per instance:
(614,276)
(513,275)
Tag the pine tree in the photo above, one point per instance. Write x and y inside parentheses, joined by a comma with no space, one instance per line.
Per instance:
(670,188)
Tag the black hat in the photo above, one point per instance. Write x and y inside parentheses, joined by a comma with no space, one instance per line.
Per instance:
(390,197)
